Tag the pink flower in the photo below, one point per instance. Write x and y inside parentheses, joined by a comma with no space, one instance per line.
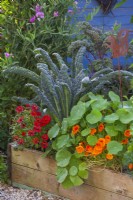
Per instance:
(32,19)
(70,11)
(56,14)
(38,8)
(40,15)
(7,55)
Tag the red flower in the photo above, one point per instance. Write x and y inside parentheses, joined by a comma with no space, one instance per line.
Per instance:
(37,122)
(23,133)
(46,119)
(44,145)
(35,140)
(20,141)
(28,105)
(35,113)
(23,125)
(31,132)
(34,107)
(15,137)
(37,129)
(45,137)
(20,119)
(19,109)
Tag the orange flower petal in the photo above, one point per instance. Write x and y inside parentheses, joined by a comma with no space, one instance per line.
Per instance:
(109,156)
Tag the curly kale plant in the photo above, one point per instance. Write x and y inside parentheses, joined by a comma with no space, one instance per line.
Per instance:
(57,87)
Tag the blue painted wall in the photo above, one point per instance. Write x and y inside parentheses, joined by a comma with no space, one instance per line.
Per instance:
(121,15)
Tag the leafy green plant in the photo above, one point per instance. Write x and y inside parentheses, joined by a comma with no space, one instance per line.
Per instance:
(3,170)
(97,132)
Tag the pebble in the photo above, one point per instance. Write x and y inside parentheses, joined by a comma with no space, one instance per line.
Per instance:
(11,193)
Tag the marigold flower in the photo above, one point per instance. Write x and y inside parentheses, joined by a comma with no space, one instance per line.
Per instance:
(127,133)
(75,129)
(80,149)
(101,127)
(125,141)
(130,166)
(109,156)
(107,139)
(89,149)
(101,141)
(93,131)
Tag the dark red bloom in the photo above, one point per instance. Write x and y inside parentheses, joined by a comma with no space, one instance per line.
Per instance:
(46,119)
(34,107)
(19,109)
(37,122)
(44,145)
(37,129)
(28,105)
(35,140)
(23,125)
(23,133)
(20,119)
(35,113)
(15,137)
(45,137)
(31,132)
(20,141)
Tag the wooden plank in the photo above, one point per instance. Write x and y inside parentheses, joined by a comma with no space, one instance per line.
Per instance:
(33,159)
(116,182)
(35,178)
(47,182)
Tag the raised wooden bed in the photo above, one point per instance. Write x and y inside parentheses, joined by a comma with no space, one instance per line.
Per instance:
(29,168)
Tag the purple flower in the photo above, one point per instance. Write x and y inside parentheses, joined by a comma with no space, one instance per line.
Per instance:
(7,55)
(56,14)
(32,19)
(70,11)
(38,8)
(40,15)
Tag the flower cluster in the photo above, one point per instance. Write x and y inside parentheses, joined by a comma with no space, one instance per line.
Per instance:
(100,140)
(30,127)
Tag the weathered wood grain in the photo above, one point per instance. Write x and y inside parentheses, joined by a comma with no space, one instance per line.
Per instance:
(31,169)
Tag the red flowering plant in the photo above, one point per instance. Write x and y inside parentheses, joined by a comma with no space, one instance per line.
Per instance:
(98,132)
(30,127)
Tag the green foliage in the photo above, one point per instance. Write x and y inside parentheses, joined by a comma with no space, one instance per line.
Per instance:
(3,170)
(103,75)
(95,134)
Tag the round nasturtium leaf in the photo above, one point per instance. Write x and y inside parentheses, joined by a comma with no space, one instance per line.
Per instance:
(114,147)
(110,129)
(73,171)
(111,118)
(82,166)
(83,174)
(61,174)
(78,111)
(63,158)
(125,115)
(92,140)
(85,132)
(76,180)
(94,117)
(62,140)
(53,132)
(114,97)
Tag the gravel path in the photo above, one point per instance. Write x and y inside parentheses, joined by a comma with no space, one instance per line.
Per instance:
(10,193)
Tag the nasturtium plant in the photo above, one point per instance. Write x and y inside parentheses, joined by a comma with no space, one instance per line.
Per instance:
(98,131)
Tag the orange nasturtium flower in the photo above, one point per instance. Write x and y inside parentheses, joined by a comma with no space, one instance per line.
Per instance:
(107,139)
(109,156)
(125,141)
(89,149)
(127,133)
(96,152)
(75,129)
(93,131)
(101,127)
(130,166)
(101,141)
(80,149)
